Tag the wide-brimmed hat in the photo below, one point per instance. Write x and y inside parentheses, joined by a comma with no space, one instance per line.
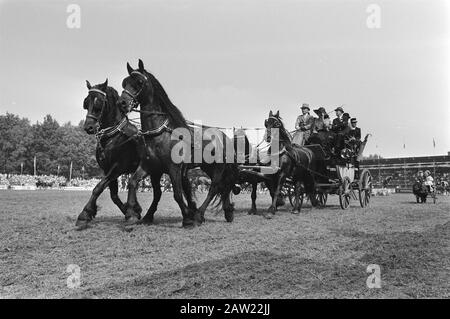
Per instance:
(353,120)
(339,109)
(346,116)
(305,106)
(320,110)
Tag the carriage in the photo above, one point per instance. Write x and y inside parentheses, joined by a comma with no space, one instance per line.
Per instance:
(421,192)
(342,177)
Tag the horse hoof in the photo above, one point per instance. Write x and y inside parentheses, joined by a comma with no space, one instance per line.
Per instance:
(82,224)
(269,215)
(229,216)
(133,220)
(295,212)
(252,212)
(189,224)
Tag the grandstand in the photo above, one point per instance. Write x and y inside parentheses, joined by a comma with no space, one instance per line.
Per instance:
(403,170)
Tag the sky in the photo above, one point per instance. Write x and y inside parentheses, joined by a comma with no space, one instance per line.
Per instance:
(228,63)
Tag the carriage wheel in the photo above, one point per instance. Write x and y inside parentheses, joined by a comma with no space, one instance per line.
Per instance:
(321,198)
(345,192)
(290,193)
(365,188)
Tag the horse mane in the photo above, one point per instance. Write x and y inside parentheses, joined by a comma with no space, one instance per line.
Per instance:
(174,113)
(238,134)
(112,96)
(285,136)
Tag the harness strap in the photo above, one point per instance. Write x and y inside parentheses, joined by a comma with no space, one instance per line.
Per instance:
(113,130)
(163,127)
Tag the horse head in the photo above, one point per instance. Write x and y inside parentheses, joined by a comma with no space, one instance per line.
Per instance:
(137,88)
(97,105)
(275,129)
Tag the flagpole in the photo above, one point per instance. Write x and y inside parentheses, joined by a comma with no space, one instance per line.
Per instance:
(70,172)
(34,165)
(379,168)
(434,159)
(404,163)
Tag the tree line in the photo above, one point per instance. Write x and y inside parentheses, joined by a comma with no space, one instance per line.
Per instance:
(55,146)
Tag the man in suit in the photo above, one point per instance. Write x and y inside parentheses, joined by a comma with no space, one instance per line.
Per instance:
(353,130)
(338,124)
(352,134)
(303,126)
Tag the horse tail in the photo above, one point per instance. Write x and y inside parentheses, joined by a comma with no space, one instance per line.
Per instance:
(230,177)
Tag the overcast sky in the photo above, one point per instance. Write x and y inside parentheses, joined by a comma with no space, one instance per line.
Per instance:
(228,62)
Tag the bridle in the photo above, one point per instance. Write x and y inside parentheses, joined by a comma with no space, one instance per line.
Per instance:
(110,131)
(134,97)
(135,103)
(104,103)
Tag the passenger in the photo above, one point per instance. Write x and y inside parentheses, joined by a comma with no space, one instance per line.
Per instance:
(420,178)
(352,131)
(322,123)
(303,126)
(346,119)
(321,131)
(429,181)
(352,136)
(338,124)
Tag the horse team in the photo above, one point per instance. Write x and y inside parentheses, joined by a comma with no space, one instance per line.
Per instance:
(124,149)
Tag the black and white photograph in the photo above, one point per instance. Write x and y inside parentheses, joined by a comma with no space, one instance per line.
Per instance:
(224,154)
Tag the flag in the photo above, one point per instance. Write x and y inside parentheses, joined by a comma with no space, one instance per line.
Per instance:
(434,143)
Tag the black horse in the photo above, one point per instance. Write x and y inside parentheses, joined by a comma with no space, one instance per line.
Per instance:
(420,191)
(252,176)
(116,151)
(159,119)
(301,163)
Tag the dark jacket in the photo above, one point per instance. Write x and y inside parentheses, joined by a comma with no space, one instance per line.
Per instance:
(356,133)
(338,125)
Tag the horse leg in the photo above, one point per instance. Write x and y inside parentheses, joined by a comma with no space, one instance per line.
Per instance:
(132,207)
(311,191)
(297,189)
(273,208)
(156,185)
(113,191)
(253,210)
(190,218)
(228,207)
(187,189)
(90,209)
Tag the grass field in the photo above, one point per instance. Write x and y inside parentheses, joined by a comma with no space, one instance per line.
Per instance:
(321,253)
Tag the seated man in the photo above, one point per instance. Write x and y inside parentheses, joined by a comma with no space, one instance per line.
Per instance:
(352,131)
(352,135)
(303,126)
(338,124)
